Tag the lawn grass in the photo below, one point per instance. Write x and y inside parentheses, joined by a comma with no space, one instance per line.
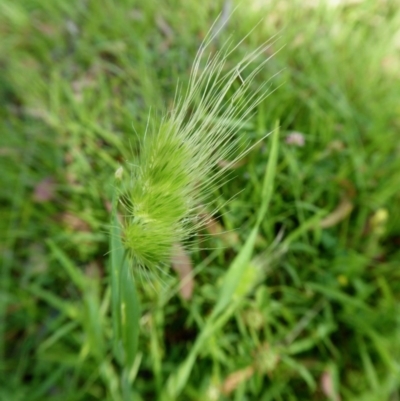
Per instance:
(315,315)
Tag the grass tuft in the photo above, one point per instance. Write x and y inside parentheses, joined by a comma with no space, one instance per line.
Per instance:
(295,295)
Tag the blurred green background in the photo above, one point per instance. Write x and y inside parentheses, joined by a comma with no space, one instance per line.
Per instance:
(321,321)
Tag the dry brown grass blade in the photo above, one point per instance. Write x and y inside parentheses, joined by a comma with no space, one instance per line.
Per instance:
(182,264)
(340,213)
(234,379)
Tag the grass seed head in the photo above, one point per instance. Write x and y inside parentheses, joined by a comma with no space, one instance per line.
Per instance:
(177,164)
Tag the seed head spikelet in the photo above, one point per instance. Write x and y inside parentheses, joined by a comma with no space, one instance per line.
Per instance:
(176,168)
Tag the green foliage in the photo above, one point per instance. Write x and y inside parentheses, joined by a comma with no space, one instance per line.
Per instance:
(125,304)
(296,298)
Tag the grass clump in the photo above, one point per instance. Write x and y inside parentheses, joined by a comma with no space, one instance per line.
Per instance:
(299,302)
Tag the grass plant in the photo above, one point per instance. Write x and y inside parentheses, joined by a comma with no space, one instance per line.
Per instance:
(296,298)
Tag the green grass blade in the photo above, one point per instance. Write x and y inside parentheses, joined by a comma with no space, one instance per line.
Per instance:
(116,262)
(124,300)
(238,267)
(224,307)
(130,314)
(70,268)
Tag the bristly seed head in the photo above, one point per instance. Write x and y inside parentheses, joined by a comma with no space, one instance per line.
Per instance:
(176,168)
